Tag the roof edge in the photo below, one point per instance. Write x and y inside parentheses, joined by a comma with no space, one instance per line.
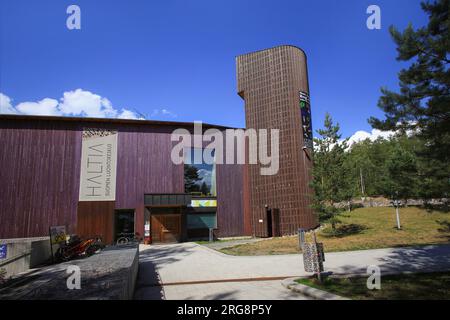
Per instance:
(16,117)
(279,46)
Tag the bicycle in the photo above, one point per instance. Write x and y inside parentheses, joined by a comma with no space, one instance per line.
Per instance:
(77,247)
(127,238)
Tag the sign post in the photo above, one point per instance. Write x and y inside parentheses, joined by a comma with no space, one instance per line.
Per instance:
(301,237)
(211,234)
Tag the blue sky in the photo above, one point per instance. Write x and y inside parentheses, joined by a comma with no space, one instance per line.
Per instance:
(175,60)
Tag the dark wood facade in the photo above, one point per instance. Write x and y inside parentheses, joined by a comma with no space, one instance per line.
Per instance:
(270,81)
(96,218)
(40,163)
(40,175)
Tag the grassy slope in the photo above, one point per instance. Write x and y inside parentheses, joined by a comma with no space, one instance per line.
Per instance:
(378,231)
(430,286)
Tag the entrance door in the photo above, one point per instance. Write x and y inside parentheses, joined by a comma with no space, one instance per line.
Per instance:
(269,223)
(124,223)
(166,228)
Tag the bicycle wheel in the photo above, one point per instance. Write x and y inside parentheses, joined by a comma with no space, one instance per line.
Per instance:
(122,241)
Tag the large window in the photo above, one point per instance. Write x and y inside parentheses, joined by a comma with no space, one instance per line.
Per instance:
(206,220)
(199,177)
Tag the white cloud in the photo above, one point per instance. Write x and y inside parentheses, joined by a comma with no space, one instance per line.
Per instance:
(73,103)
(47,107)
(163,112)
(362,135)
(80,102)
(372,136)
(6,105)
(205,176)
(127,114)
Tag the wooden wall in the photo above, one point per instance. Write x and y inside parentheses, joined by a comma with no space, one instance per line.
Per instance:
(39,177)
(96,218)
(144,166)
(40,168)
(230,210)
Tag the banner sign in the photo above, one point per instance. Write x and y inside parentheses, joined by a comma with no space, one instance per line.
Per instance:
(306,120)
(58,234)
(203,203)
(98,165)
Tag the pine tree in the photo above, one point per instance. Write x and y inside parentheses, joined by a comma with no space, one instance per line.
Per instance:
(204,189)
(331,178)
(191,178)
(401,178)
(423,104)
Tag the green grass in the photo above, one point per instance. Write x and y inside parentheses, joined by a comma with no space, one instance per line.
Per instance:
(429,286)
(207,241)
(365,228)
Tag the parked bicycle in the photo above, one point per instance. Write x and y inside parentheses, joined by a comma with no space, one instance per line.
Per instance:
(128,238)
(76,247)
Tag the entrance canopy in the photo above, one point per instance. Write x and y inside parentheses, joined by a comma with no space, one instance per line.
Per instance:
(167,200)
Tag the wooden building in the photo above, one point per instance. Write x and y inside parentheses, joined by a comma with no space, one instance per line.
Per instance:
(40,165)
(111,177)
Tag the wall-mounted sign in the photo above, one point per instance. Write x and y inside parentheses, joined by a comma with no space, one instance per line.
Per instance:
(203,203)
(58,234)
(3,251)
(98,165)
(305,110)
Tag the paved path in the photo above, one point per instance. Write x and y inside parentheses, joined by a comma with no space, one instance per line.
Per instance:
(247,290)
(217,245)
(190,264)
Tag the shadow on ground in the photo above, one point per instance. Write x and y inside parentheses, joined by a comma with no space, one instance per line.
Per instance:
(149,285)
(415,259)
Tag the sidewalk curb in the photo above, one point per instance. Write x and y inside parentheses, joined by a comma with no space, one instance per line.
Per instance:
(314,293)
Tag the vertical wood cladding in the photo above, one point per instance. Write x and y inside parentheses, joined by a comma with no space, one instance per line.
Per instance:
(96,218)
(40,170)
(39,176)
(230,210)
(144,166)
(270,81)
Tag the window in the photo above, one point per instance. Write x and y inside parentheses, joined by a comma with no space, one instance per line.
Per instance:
(199,176)
(205,220)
